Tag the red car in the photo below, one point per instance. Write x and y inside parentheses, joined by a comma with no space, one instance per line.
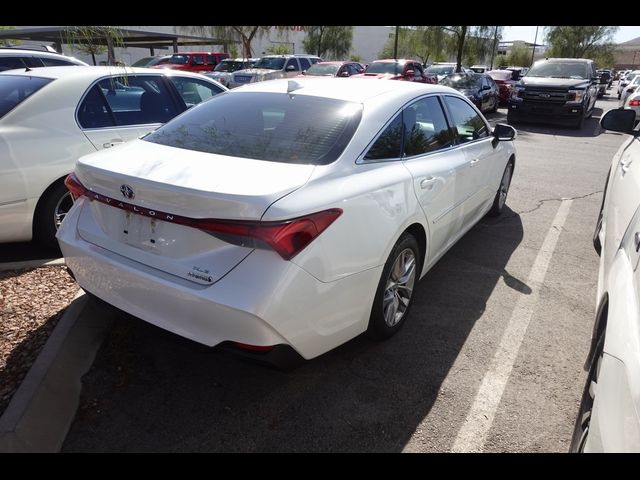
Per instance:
(505,79)
(194,61)
(409,70)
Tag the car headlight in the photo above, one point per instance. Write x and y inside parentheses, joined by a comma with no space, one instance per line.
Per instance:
(576,95)
(517,91)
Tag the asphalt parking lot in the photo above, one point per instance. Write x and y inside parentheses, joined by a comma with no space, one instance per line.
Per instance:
(490,360)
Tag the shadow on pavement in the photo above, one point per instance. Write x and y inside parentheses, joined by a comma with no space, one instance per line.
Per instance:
(150,390)
(19,252)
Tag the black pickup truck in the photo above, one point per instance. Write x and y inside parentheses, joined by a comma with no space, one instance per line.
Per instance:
(555,90)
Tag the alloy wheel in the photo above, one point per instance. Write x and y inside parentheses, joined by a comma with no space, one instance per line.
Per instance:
(399,288)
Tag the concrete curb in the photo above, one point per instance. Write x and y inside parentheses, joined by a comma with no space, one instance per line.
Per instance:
(30,264)
(44,406)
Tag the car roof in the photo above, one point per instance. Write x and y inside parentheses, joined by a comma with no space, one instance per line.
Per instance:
(572,60)
(92,72)
(355,89)
(14,52)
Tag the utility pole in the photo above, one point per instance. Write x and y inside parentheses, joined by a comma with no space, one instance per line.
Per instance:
(493,50)
(395,44)
(535,40)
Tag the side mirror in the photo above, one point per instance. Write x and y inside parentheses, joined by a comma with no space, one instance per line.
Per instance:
(344,74)
(291,68)
(503,132)
(619,120)
(486,87)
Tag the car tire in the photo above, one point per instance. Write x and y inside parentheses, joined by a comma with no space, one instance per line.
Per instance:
(394,295)
(583,419)
(495,105)
(511,119)
(500,200)
(50,213)
(580,123)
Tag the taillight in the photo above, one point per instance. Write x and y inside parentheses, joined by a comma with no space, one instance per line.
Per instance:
(74,186)
(635,102)
(287,238)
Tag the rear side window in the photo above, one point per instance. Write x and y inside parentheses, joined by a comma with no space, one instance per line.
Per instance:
(276,127)
(304,63)
(55,62)
(16,89)
(194,91)
(388,144)
(10,63)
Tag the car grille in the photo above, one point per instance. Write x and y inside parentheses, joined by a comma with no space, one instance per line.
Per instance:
(549,96)
(242,78)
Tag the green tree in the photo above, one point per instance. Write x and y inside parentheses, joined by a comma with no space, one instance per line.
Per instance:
(229,34)
(94,40)
(333,40)
(519,56)
(579,41)
(279,49)
(424,42)
(8,42)
(471,42)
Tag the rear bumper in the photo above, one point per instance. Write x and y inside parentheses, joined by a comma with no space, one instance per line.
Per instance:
(545,112)
(263,301)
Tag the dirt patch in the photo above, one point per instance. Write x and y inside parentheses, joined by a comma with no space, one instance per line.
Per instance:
(31,303)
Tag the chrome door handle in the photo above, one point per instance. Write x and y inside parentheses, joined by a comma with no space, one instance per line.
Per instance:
(112,143)
(426,182)
(474,161)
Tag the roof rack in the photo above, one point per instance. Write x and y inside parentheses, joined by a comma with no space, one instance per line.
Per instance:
(45,48)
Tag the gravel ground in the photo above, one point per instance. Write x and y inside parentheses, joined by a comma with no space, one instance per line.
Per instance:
(31,302)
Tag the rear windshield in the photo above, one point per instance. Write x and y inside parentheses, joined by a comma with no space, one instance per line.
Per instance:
(320,69)
(15,89)
(276,127)
(461,81)
(384,67)
(441,70)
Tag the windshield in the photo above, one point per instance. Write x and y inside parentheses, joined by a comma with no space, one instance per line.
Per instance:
(179,59)
(16,89)
(500,74)
(275,127)
(441,70)
(270,63)
(143,62)
(319,69)
(559,70)
(462,81)
(229,66)
(393,68)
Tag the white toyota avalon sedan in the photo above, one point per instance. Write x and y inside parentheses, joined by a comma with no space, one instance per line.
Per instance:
(609,415)
(286,216)
(50,116)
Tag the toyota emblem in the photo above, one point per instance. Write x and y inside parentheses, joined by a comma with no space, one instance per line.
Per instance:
(127,192)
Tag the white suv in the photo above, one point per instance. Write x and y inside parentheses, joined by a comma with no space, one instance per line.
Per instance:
(13,58)
(272,67)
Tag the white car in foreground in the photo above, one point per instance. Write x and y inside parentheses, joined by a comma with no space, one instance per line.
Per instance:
(51,116)
(286,216)
(609,416)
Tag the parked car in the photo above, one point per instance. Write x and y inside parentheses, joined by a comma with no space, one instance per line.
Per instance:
(629,89)
(632,102)
(480,88)
(13,58)
(397,69)
(506,80)
(52,115)
(625,80)
(222,72)
(521,71)
(227,223)
(479,68)
(559,90)
(194,61)
(273,67)
(441,70)
(609,416)
(604,80)
(148,62)
(334,69)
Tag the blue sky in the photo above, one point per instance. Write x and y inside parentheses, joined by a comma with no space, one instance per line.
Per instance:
(528,34)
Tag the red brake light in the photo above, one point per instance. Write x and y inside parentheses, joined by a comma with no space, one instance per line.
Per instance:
(74,186)
(635,102)
(288,237)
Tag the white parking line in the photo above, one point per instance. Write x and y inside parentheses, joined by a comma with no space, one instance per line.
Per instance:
(473,432)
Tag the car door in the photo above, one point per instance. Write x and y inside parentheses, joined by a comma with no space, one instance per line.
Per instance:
(623,195)
(473,135)
(436,168)
(118,109)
